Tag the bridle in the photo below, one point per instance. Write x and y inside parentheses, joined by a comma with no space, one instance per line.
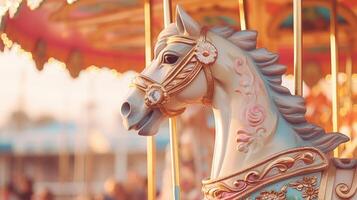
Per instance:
(202,55)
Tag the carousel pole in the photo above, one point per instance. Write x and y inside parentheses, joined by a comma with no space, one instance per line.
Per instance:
(242,17)
(151,143)
(174,146)
(297,47)
(334,70)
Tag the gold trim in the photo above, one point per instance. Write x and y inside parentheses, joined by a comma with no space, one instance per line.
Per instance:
(330,182)
(347,192)
(151,142)
(297,9)
(323,183)
(271,158)
(181,75)
(241,184)
(307,186)
(181,39)
(207,99)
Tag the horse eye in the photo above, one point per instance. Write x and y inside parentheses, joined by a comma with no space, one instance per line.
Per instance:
(170,58)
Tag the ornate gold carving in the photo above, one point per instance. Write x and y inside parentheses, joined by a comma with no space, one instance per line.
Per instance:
(273,195)
(308,187)
(347,192)
(275,168)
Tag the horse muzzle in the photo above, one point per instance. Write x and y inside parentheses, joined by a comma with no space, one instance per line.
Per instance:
(136,116)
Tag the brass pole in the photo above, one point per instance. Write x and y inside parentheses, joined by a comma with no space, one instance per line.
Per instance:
(242,18)
(174,146)
(334,69)
(150,142)
(175,161)
(297,47)
(167,6)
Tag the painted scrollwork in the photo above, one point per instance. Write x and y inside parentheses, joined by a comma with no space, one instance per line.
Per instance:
(345,191)
(309,160)
(307,186)
(282,165)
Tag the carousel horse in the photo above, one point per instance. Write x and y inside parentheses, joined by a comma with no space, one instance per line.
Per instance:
(264,147)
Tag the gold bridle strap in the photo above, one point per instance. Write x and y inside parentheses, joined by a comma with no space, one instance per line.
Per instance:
(201,56)
(208,98)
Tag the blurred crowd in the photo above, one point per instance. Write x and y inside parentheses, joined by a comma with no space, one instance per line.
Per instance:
(22,188)
(134,188)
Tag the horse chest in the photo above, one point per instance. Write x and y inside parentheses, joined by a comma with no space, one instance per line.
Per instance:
(302,173)
(337,182)
(299,187)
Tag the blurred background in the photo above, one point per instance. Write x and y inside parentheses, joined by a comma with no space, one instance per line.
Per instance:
(65,67)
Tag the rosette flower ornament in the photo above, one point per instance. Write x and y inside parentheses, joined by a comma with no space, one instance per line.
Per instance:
(206,53)
(155,95)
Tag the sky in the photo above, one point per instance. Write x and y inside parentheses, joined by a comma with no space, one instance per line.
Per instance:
(52,92)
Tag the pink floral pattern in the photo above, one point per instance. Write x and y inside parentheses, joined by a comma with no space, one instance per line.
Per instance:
(255,115)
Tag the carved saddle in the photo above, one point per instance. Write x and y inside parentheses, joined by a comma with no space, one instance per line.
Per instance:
(300,173)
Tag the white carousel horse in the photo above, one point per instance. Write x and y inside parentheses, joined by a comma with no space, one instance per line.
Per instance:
(264,147)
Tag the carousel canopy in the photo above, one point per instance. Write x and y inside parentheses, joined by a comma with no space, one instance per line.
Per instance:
(104,33)
(110,33)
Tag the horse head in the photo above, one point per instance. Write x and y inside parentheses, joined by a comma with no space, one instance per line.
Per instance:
(178,75)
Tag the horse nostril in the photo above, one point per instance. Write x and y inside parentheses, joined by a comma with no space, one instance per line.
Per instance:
(125,109)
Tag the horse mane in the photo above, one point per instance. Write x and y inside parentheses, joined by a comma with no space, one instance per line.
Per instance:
(291,107)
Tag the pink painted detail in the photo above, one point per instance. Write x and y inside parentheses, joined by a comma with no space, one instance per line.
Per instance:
(253,177)
(225,195)
(240,184)
(240,61)
(245,78)
(238,64)
(255,115)
(205,53)
(243,147)
(244,139)
(243,136)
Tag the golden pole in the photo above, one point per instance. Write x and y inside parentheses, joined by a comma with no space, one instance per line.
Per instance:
(242,19)
(297,47)
(167,6)
(175,162)
(334,69)
(150,142)
(174,147)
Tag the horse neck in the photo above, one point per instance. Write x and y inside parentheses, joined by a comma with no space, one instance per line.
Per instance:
(243,109)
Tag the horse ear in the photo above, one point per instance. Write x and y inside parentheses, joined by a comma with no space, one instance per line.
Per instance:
(185,24)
